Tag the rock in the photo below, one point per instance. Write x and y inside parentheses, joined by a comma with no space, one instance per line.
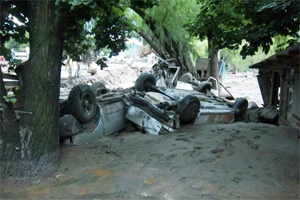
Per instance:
(92,71)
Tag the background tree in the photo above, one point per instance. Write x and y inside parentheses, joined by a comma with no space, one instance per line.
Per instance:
(163,30)
(215,18)
(30,142)
(267,21)
(228,23)
(236,62)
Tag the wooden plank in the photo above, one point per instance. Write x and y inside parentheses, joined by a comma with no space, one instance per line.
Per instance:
(284,56)
(273,100)
(265,87)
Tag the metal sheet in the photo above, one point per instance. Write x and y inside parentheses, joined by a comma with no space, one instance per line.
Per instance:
(112,116)
(111,119)
(148,123)
(217,116)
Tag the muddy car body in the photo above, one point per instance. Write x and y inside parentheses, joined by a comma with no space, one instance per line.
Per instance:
(85,115)
(191,106)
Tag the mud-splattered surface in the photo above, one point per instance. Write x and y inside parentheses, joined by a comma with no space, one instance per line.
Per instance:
(237,161)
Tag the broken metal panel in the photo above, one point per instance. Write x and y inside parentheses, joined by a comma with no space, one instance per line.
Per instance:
(156,98)
(215,116)
(109,120)
(215,106)
(265,84)
(113,117)
(173,73)
(68,126)
(151,125)
(86,134)
(184,86)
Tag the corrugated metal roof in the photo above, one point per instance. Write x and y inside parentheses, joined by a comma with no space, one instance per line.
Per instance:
(289,57)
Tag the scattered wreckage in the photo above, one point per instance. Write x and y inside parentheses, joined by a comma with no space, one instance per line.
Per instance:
(159,103)
(158,110)
(162,100)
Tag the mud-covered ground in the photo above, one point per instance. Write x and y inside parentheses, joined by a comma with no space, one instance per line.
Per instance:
(234,161)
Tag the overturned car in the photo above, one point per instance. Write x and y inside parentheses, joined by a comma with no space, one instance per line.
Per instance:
(159,110)
(92,111)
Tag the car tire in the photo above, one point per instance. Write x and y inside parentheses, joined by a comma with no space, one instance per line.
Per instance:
(204,87)
(188,109)
(242,105)
(82,103)
(144,82)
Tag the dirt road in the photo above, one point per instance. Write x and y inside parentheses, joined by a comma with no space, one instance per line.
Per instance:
(237,161)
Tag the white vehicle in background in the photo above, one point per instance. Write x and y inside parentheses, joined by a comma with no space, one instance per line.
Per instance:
(20,55)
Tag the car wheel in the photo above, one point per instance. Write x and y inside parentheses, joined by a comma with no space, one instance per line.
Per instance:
(144,82)
(82,103)
(188,108)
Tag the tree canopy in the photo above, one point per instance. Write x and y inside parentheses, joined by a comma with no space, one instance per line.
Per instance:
(256,22)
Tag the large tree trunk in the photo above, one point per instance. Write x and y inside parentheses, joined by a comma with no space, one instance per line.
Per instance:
(9,137)
(33,148)
(213,60)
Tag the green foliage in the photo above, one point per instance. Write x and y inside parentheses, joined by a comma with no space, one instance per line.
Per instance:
(13,24)
(89,25)
(76,3)
(229,22)
(10,98)
(163,23)
(237,63)
(200,47)
(143,4)
(215,20)
(13,63)
(270,19)
(98,25)
(13,44)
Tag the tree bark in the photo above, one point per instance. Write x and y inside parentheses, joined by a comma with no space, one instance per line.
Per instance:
(213,60)
(10,139)
(37,129)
